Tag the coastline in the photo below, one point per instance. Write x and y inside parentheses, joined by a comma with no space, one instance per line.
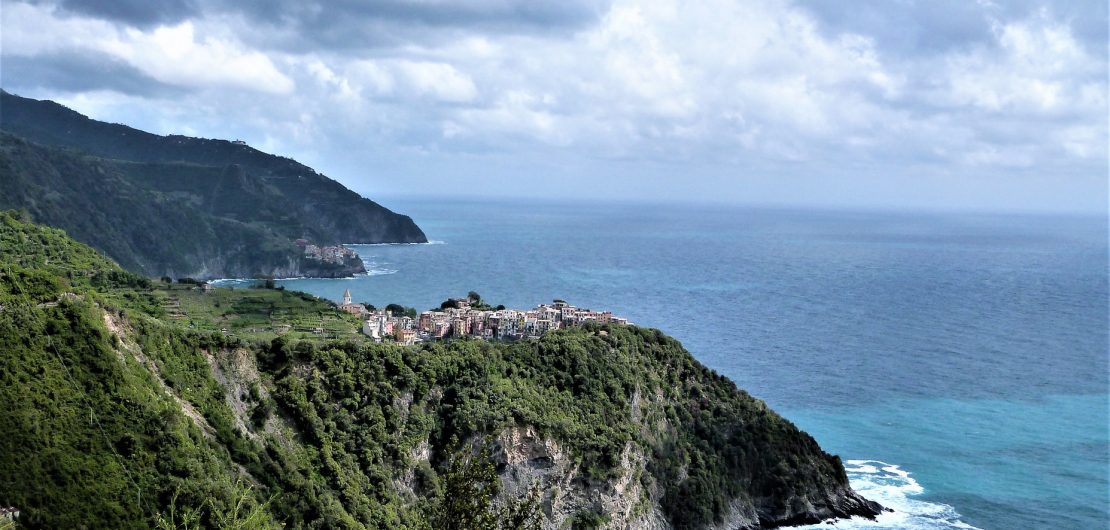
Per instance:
(429,242)
(860,344)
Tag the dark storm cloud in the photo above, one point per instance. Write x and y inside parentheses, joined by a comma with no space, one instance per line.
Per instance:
(138,13)
(80,71)
(346,24)
(506,13)
(301,25)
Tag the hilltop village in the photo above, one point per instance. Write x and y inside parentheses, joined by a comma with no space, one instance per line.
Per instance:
(469,317)
(328,254)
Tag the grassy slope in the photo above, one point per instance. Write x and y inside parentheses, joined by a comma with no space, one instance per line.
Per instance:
(256,314)
(322,429)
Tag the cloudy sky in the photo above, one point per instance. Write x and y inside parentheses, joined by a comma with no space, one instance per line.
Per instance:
(988,105)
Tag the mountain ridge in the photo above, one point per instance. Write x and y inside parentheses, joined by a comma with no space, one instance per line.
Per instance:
(52,156)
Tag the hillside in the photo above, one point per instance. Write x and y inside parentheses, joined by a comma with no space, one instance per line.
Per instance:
(179,206)
(124,410)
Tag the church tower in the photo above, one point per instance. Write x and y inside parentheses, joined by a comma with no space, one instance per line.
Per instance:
(346,297)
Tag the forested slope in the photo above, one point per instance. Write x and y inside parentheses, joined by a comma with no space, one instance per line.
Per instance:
(123,413)
(179,206)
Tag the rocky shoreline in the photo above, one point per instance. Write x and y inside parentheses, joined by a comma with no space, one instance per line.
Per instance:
(292,265)
(845,505)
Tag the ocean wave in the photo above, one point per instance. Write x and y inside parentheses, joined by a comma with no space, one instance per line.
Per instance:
(894,488)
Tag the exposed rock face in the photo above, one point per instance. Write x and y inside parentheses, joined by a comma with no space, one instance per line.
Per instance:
(845,503)
(526,459)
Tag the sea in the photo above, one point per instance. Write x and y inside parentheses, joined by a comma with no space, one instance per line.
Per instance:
(957,362)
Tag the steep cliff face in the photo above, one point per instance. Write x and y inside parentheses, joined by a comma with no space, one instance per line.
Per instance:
(178,206)
(527,459)
(631,499)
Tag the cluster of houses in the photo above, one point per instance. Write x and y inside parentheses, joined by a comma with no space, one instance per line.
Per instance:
(462,320)
(338,254)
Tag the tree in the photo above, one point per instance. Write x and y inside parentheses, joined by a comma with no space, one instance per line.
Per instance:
(244,514)
(473,297)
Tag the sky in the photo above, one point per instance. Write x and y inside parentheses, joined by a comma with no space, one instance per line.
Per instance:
(894,104)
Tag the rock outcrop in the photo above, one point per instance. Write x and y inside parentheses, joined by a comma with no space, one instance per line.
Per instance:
(528,460)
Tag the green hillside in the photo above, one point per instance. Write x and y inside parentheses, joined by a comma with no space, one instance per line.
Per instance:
(179,206)
(124,406)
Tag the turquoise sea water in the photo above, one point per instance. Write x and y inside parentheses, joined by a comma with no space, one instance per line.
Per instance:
(958,363)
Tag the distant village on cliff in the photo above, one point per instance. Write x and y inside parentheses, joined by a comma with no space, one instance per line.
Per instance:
(470,317)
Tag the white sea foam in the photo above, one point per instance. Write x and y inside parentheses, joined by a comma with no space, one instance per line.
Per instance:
(894,488)
(860,467)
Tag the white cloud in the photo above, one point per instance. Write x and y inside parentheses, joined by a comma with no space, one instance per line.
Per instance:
(515,113)
(410,79)
(666,76)
(438,80)
(1033,66)
(1083,141)
(730,86)
(31,30)
(173,55)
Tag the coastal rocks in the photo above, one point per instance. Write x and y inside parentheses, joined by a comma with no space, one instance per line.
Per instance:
(630,500)
(842,503)
(320,269)
(631,497)
(291,265)
(739,516)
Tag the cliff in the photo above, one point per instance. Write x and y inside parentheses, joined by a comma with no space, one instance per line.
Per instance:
(175,205)
(129,401)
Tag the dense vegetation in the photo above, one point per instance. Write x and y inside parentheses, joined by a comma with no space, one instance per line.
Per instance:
(122,412)
(179,206)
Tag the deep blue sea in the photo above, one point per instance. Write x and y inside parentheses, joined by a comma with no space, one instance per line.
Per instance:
(957,362)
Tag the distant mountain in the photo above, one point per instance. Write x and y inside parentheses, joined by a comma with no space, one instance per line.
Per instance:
(180,206)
